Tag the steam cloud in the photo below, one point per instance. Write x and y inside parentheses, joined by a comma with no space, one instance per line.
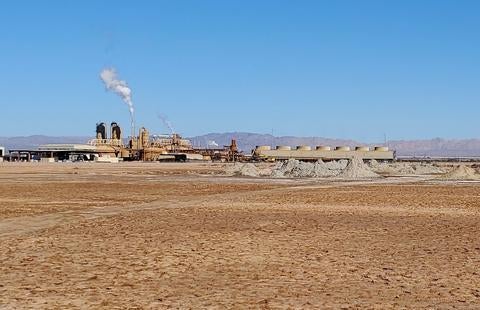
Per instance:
(113,83)
(166,122)
(212,143)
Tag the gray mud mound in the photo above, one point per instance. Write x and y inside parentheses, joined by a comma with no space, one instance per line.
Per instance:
(461,172)
(336,164)
(405,168)
(293,168)
(427,169)
(388,169)
(322,170)
(356,169)
(380,167)
(239,169)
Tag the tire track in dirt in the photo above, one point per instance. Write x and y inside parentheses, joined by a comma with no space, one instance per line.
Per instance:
(28,224)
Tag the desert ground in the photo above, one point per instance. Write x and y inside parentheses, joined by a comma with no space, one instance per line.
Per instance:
(186,236)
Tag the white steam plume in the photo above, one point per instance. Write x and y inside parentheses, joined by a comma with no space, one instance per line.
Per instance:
(166,122)
(113,83)
(212,143)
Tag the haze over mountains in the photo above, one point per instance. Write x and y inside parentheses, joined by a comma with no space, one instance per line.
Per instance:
(248,141)
(431,147)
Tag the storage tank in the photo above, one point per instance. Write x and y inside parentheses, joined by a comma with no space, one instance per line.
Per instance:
(304,148)
(116,131)
(342,148)
(283,148)
(381,149)
(323,148)
(362,148)
(101,131)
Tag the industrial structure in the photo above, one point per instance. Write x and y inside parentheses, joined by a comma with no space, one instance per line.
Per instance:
(2,153)
(141,147)
(146,147)
(306,153)
(109,146)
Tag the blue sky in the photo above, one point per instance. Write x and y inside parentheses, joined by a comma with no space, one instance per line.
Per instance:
(341,69)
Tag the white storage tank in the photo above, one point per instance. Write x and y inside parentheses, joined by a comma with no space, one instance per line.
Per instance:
(283,148)
(342,148)
(362,148)
(381,148)
(323,148)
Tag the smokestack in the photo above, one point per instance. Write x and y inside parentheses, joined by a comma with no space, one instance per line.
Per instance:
(113,83)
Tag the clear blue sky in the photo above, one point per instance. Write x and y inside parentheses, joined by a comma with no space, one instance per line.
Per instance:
(343,69)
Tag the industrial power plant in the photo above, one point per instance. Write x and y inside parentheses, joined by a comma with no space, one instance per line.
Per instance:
(245,155)
(109,145)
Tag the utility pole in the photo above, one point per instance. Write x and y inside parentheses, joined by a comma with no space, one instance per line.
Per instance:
(273,140)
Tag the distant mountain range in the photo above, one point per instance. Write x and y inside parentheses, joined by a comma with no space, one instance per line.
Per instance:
(419,148)
(248,141)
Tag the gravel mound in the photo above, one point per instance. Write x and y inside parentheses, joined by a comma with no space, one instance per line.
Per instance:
(297,169)
(403,169)
(406,168)
(337,164)
(462,172)
(384,168)
(427,169)
(356,169)
(239,169)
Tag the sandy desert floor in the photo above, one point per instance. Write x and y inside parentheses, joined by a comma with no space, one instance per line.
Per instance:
(154,236)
